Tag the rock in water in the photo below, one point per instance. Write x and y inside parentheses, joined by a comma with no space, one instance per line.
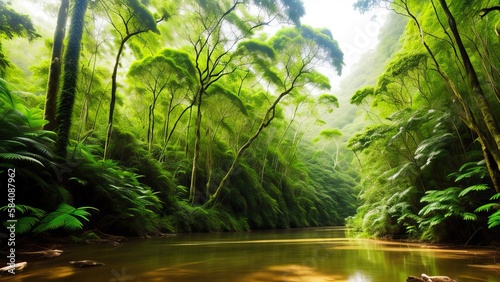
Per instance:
(425,278)
(414,279)
(85,263)
(437,278)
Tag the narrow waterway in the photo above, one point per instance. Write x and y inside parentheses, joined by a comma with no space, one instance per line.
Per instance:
(316,254)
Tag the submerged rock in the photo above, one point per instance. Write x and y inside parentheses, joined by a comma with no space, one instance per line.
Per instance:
(426,278)
(85,263)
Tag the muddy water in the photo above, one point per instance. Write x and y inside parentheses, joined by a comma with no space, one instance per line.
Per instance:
(318,254)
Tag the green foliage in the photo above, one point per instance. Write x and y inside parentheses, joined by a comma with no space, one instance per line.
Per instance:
(125,204)
(328,99)
(199,219)
(361,95)
(493,218)
(64,217)
(181,59)
(330,133)
(141,187)
(285,38)
(217,89)
(441,205)
(143,15)
(27,152)
(469,170)
(416,135)
(255,48)
(23,145)
(371,135)
(13,24)
(31,217)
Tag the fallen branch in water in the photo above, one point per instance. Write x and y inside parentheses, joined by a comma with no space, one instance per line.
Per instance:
(46,253)
(12,268)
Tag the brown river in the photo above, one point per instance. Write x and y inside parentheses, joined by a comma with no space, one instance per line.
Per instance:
(307,255)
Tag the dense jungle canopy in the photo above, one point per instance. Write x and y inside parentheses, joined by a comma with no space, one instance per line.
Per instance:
(139,117)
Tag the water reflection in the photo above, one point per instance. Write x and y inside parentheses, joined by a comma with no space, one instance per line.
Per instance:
(306,255)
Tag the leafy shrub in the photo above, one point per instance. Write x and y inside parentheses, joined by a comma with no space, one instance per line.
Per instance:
(126,205)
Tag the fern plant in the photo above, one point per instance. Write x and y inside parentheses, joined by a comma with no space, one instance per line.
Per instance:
(23,145)
(127,205)
(31,217)
(65,217)
(458,202)
(494,218)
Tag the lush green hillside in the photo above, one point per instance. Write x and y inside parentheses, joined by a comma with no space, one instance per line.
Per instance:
(429,157)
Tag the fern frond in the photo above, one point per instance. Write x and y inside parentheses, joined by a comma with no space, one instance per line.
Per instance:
(494,219)
(486,207)
(56,221)
(36,145)
(495,197)
(26,209)
(469,216)
(471,169)
(475,188)
(20,158)
(65,216)
(25,223)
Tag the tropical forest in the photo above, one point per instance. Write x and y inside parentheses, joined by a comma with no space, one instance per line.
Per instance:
(150,118)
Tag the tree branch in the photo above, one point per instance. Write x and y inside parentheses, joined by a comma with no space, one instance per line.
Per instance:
(485,11)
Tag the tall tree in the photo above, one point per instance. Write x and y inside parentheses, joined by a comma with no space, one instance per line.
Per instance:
(55,67)
(128,19)
(487,128)
(69,76)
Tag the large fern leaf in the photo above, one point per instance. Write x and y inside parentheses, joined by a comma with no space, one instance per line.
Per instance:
(494,219)
(31,218)
(65,216)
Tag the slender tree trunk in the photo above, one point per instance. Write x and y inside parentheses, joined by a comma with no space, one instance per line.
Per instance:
(196,153)
(113,96)
(150,111)
(186,149)
(114,86)
(492,137)
(55,67)
(69,79)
